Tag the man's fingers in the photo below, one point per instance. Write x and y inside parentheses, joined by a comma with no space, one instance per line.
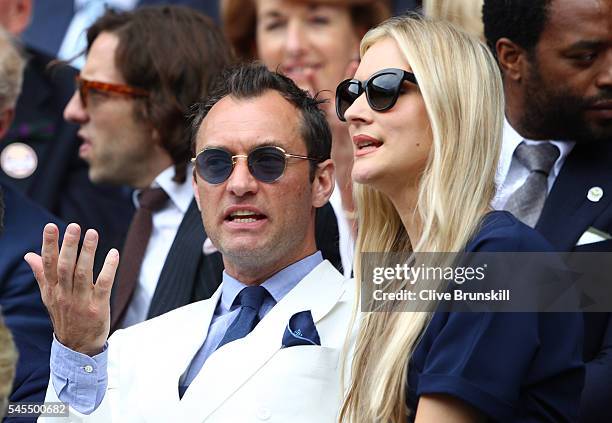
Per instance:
(107,275)
(68,256)
(36,264)
(49,253)
(83,272)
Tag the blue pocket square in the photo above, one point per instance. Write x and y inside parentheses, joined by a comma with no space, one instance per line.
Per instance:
(301,330)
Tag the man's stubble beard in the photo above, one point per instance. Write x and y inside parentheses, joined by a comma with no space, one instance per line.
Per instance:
(550,114)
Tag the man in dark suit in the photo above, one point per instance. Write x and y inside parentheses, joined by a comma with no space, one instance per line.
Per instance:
(131,111)
(556,163)
(39,153)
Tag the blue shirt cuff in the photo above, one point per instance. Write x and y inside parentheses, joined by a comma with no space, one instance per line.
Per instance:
(78,379)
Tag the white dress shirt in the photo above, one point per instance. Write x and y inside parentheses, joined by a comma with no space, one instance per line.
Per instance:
(511,174)
(347,244)
(165,226)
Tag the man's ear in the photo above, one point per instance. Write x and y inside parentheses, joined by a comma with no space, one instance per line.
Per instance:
(6,118)
(512,59)
(196,192)
(323,184)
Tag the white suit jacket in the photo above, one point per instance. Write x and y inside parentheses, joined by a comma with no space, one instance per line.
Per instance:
(248,380)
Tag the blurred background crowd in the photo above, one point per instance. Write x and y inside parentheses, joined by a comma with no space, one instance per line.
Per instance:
(67,155)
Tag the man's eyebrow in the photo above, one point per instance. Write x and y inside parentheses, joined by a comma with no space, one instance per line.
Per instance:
(587,45)
(271,143)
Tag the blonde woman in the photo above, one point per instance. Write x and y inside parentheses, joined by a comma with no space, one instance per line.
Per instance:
(425,116)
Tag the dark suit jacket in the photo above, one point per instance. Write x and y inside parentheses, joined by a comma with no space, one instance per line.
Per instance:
(60,183)
(31,377)
(23,310)
(327,236)
(567,214)
(187,275)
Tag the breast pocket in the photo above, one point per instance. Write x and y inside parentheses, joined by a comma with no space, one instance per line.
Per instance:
(299,384)
(308,359)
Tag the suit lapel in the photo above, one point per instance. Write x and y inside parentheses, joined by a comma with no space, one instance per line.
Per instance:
(179,274)
(235,363)
(568,212)
(180,344)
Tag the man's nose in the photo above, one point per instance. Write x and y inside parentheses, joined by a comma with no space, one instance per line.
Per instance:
(604,77)
(74,111)
(297,38)
(241,182)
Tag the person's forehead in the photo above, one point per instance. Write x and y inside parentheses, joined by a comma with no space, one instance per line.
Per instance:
(241,124)
(383,54)
(100,64)
(572,21)
(264,7)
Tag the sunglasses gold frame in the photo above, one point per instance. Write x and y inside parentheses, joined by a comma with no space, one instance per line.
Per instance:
(235,158)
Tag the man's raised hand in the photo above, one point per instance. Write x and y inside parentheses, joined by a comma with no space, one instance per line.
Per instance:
(79,309)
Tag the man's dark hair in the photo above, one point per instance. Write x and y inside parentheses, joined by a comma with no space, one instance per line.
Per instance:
(521,21)
(249,81)
(174,53)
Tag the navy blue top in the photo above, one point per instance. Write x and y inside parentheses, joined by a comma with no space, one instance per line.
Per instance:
(512,367)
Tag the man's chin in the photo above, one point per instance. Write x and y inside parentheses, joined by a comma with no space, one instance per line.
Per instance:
(101,177)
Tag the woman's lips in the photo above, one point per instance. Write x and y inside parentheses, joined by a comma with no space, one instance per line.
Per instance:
(300,72)
(365,144)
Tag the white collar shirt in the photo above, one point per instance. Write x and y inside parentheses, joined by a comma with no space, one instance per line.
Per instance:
(511,174)
(165,226)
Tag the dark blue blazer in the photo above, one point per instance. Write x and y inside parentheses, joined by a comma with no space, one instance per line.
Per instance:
(22,307)
(567,214)
(31,377)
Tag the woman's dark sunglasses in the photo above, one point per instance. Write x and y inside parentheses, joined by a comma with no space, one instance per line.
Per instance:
(382,90)
(266,163)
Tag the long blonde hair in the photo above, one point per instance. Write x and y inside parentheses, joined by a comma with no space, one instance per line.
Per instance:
(462,90)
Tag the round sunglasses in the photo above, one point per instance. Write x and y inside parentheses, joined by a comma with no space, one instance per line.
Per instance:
(266,163)
(382,90)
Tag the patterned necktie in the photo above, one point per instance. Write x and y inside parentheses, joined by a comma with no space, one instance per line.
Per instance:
(250,299)
(150,200)
(527,202)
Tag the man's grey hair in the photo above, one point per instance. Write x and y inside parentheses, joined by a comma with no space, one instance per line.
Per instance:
(11,71)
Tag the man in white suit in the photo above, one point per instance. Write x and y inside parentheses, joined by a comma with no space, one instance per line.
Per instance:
(262,169)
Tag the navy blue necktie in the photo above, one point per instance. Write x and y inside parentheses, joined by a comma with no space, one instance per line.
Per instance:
(250,299)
